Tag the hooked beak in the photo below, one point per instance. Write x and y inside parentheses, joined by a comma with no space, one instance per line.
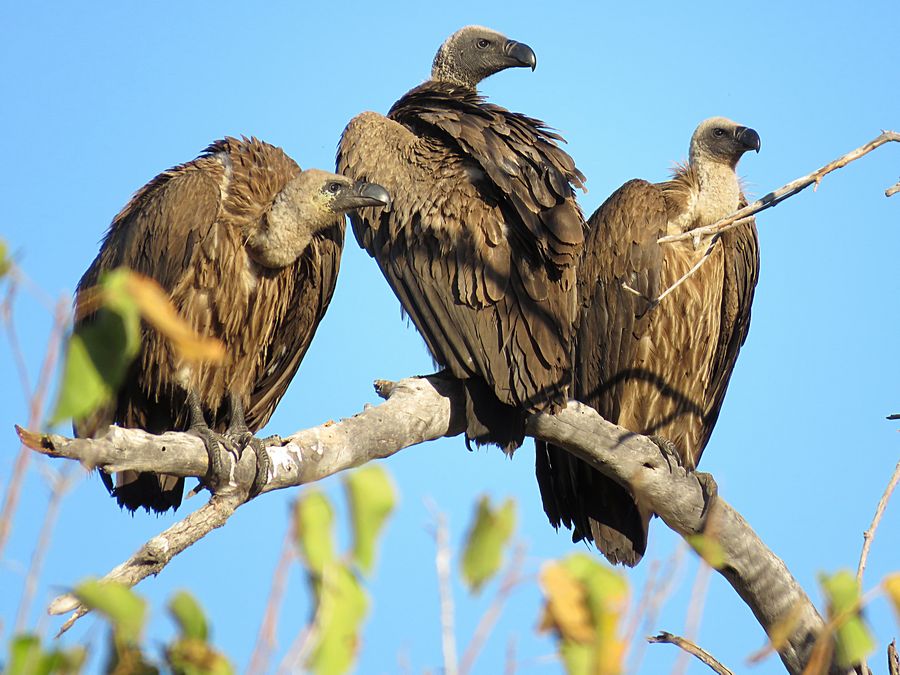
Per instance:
(747,137)
(521,53)
(363,194)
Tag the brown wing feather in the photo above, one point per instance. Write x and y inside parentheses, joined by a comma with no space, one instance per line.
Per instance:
(315,278)
(480,243)
(620,250)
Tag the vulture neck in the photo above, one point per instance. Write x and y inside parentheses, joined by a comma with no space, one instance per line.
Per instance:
(718,191)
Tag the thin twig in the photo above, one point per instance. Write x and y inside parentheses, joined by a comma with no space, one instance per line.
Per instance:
(265,641)
(35,416)
(691,648)
(59,487)
(706,255)
(153,556)
(511,580)
(869,534)
(695,613)
(445,588)
(782,193)
(655,601)
(891,191)
(510,667)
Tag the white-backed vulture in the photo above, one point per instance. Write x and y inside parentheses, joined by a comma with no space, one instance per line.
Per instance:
(482,238)
(661,370)
(248,247)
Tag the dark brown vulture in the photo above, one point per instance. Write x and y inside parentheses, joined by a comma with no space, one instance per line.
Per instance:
(248,247)
(481,241)
(658,370)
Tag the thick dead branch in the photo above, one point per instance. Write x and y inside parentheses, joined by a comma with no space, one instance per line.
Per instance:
(421,409)
(784,192)
(692,649)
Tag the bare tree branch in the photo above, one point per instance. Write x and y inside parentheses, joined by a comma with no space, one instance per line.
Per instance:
(445,588)
(893,659)
(691,648)
(265,641)
(420,409)
(869,534)
(782,193)
(891,191)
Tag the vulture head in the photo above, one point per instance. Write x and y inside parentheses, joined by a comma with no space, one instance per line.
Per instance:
(475,52)
(721,140)
(312,201)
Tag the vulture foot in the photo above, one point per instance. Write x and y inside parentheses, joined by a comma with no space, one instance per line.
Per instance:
(669,452)
(243,438)
(216,446)
(710,491)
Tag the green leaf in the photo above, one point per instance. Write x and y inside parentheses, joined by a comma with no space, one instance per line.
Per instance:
(314,518)
(709,549)
(124,609)
(584,605)
(190,656)
(372,498)
(27,657)
(341,609)
(189,616)
(5,261)
(486,542)
(99,352)
(852,638)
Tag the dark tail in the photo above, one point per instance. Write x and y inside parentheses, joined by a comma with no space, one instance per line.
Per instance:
(489,420)
(592,505)
(153,492)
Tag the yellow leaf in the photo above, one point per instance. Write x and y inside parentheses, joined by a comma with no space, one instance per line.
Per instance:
(891,585)
(566,609)
(156,308)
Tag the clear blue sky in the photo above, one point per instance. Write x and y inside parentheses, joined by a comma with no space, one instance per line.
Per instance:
(98,99)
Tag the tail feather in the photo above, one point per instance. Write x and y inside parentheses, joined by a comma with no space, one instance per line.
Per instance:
(153,492)
(595,507)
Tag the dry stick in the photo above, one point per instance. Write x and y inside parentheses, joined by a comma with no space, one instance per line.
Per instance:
(265,641)
(36,406)
(745,215)
(655,602)
(782,193)
(690,648)
(891,191)
(59,487)
(695,613)
(893,658)
(869,534)
(420,409)
(486,624)
(445,588)
(510,667)
(153,556)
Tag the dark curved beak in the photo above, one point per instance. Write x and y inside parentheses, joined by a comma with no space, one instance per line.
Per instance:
(363,194)
(521,53)
(747,137)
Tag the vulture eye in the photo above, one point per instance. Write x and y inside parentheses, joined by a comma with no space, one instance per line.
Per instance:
(333,188)
(483,43)
(718,132)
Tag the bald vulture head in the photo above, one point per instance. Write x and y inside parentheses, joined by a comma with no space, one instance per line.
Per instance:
(723,141)
(308,204)
(475,52)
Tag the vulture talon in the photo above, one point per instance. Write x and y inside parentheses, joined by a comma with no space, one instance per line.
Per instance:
(669,452)
(216,445)
(710,490)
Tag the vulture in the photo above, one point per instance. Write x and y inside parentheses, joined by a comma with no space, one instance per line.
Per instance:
(656,370)
(247,246)
(483,235)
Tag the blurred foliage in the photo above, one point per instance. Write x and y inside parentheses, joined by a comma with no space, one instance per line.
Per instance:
(100,350)
(486,542)
(5,261)
(584,602)
(28,657)
(853,641)
(372,498)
